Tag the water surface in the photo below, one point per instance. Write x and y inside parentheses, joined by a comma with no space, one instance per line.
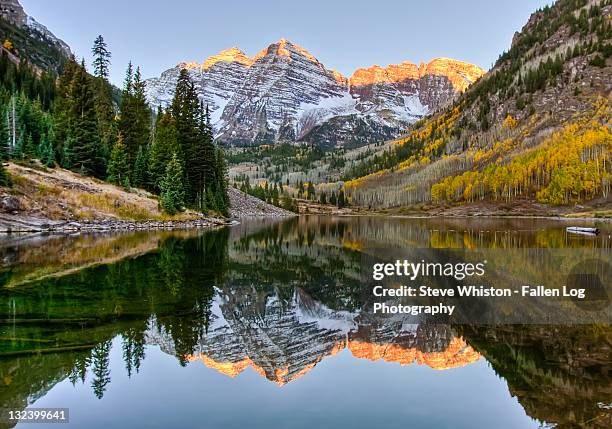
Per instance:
(267,324)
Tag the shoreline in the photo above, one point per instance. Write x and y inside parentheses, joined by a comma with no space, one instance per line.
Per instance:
(22,225)
(464,213)
(38,225)
(456,216)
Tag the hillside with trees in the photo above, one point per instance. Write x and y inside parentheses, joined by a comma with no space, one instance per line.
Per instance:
(75,121)
(535,128)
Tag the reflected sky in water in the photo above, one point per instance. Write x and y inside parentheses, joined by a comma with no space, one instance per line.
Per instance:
(341,391)
(267,325)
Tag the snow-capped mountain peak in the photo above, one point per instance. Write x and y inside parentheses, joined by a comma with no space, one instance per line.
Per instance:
(284,93)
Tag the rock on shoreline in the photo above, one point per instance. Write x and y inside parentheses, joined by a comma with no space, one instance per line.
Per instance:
(246,206)
(25,224)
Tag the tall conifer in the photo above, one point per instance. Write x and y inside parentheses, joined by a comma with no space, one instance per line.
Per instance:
(102,56)
(103,94)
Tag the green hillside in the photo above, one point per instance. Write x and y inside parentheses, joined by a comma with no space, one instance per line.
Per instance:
(536,127)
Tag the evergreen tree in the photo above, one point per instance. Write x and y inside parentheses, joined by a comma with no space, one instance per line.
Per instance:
(29,149)
(207,163)
(341,199)
(86,151)
(62,114)
(274,196)
(102,56)
(104,94)
(46,152)
(140,168)
(185,108)
(134,116)
(172,192)
(165,143)
(5,178)
(204,167)
(100,368)
(118,170)
(142,113)
(287,203)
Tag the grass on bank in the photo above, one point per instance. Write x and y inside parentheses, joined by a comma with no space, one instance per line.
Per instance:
(61,194)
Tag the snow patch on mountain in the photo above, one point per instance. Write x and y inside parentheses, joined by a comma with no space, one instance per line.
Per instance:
(44,31)
(308,311)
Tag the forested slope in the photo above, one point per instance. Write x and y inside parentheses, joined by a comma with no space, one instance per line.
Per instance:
(535,127)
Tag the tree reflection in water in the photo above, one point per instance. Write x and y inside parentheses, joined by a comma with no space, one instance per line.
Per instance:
(279,298)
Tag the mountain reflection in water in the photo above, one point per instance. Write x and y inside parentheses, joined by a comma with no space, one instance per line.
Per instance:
(278,298)
(287,339)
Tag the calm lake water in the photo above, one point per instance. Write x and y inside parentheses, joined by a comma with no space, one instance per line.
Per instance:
(267,324)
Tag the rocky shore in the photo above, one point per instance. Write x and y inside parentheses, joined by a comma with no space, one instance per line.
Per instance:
(13,219)
(25,224)
(57,200)
(245,206)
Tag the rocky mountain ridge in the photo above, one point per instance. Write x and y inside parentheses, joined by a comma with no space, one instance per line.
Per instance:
(31,39)
(284,93)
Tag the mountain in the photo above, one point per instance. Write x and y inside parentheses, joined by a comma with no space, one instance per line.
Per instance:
(534,130)
(30,39)
(285,94)
(284,340)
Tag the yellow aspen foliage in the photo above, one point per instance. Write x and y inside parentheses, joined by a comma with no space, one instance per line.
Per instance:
(569,166)
(7,44)
(510,122)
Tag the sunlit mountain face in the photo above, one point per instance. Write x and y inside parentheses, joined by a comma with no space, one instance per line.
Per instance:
(281,302)
(285,94)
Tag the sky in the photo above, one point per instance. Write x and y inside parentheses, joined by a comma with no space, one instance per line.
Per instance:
(343,34)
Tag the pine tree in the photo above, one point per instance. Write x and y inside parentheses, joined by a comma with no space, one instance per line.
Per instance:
(86,151)
(185,111)
(206,137)
(205,168)
(140,168)
(134,116)
(46,153)
(165,143)
(5,178)
(341,199)
(172,192)
(142,113)
(118,170)
(104,95)
(29,149)
(127,116)
(62,115)
(75,133)
(18,150)
(102,56)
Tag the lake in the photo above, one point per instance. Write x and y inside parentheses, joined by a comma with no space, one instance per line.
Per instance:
(269,324)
